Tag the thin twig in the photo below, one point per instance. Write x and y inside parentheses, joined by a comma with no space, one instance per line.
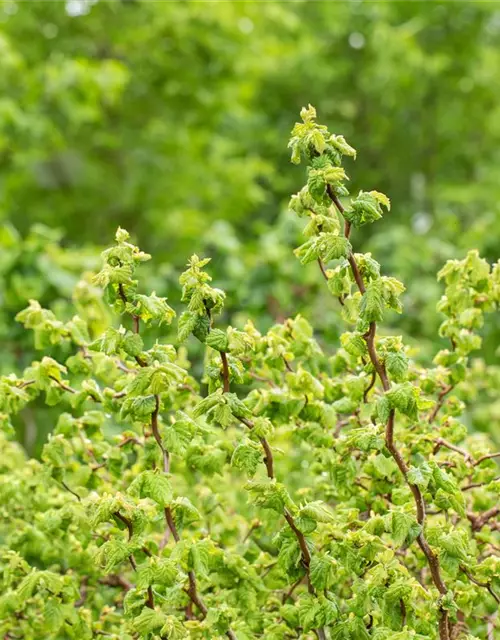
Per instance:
(440,401)
(225,372)
(485,585)
(289,593)
(369,387)
(70,490)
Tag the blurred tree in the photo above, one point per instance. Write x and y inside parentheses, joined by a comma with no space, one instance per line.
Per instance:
(168,118)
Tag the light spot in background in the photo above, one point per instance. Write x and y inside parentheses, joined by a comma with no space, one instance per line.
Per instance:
(493,25)
(245,25)
(466,84)
(418,184)
(357,40)
(75,8)
(421,223)
(50,30)
(10,8)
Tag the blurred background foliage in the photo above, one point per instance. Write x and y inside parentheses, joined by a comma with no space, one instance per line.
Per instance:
(171,119)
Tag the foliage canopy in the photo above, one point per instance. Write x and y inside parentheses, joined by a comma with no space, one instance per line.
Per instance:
(296,488)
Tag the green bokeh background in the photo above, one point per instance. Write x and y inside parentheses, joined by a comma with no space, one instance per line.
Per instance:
(171,119)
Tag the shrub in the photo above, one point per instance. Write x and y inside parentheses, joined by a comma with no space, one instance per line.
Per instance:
(294,491)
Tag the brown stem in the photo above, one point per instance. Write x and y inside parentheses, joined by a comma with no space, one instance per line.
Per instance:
(488,456)
(372,352)
(192,591)
(306,556)
(355,272)
(70,490)
(136,320)
(440,401)
(290,591)
(268,458)
(117,581)
(171,524)
(485,585)
(322,269)
(25,383)
(129,439)
(150,601)
(126,522)
(193,594)
(403,612)
(123,297)
(432,559)
(475,485)
(369,387)
(225,372)
(478,521)
(255,525)
(63,386)
(157,437)
(268,381)
(440,442)
(83,592)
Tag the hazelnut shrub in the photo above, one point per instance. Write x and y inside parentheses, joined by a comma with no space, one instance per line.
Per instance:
(295,490)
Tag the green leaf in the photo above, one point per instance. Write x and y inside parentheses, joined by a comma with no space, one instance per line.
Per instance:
(404,528)
(366,208)
(217,340)
(112,553)
(149,621)
(199,557)
(354,344)
(372,303)
(383,409)
(456,543)
(321,571)
(140,407)
(53,614)
(222,414)
(151,308)
(247,458)
(144,575)
(318,511)
(396,364)
(420,475)
(173,629)
(187,323)
(27,585)
(238,408)
(403,397)
(328,612)
(165,572)
(154,485)
(207,404)
(339,142)
(178,435)
(326,246)
(270,495)
(132,344)
(184,512)
(309,608)
(109,343)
